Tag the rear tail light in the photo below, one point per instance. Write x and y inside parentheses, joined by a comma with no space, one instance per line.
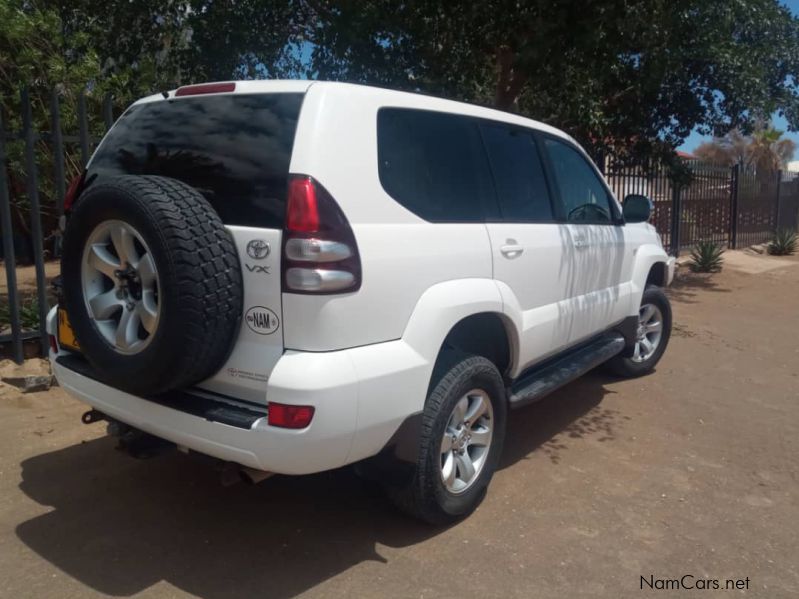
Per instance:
(73,191)
(319,255)
(53,344)
(286,416)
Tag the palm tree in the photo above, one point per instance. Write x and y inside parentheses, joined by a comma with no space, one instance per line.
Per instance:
(768,152)
(765,149)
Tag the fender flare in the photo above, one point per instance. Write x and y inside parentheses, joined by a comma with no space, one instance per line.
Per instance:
(646,256)
(438,310)
(444,305)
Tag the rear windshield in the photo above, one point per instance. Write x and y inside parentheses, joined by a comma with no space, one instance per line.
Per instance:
(234,149)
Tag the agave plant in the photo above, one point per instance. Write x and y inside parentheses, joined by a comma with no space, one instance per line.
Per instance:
(706,257)
(783,243)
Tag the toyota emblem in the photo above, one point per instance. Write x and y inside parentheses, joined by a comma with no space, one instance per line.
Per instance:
(258,249)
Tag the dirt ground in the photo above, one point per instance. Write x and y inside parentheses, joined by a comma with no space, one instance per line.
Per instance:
(26,277)
(690,471)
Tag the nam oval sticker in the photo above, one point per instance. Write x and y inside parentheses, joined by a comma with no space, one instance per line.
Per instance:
(261,320)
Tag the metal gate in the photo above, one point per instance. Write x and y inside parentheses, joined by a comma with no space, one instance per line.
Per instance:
(56,145)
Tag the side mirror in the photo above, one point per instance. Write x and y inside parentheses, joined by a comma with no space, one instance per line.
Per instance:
(637,208)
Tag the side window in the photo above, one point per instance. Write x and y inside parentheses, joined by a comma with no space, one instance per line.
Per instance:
(518,174)
(433,164)
(584,197)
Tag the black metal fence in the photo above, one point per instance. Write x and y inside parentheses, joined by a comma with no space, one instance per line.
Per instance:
(55,143)
(732,207)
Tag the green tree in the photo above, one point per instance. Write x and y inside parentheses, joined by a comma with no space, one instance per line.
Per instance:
(150,45)
(126,49)
(35,51)
(640,74)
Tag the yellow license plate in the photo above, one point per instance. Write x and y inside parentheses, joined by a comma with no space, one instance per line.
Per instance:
(66,336)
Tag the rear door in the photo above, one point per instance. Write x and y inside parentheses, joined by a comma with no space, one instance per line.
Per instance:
(235,149)
(530,248)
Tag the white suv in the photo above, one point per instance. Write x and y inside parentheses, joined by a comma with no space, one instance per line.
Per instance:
(292,276)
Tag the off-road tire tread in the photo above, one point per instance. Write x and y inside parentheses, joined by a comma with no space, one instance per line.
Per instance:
(203,266)
(624,367)
(418,496)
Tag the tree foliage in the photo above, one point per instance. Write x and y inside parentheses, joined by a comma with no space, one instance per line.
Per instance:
(34,51)
(638,75)
(125,49)
(631,73)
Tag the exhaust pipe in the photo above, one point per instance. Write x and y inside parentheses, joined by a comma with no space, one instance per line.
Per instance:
(231,473)
(254,476)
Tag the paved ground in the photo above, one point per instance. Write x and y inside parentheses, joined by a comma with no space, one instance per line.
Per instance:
(692,470)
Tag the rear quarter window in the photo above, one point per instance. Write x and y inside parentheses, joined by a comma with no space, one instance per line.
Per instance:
(433,164)
(235,149)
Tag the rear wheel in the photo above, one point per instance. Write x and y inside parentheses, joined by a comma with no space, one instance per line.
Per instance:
(463,428)
(652,336)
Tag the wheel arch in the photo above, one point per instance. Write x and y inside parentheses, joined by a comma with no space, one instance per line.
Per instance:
(486,334)
(651,267)
(447,315)
(463,314)
(658,274)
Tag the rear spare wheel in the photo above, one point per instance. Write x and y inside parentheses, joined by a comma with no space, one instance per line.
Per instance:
(152,283)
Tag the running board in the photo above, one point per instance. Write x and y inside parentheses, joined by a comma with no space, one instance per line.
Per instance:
(542,380)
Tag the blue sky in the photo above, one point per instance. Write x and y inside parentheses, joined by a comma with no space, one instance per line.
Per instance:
(779,122)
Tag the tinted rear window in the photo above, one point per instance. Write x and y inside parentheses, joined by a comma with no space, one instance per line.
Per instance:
(433,164)
(235,149)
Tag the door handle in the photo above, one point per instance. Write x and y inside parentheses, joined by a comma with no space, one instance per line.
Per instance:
(580,243)
(511,249)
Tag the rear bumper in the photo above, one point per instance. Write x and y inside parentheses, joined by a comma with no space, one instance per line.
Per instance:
(360,396)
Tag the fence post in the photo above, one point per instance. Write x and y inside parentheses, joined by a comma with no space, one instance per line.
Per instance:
(36,219)
(108,114)
(734,179)
(8,252)
(83,129)
(58,152)
(676,218)
(777,200)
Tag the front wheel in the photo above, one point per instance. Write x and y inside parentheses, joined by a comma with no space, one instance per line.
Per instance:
(652,336)
(463,428)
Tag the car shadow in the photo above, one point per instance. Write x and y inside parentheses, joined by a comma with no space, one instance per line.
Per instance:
(120,525)
(686,286)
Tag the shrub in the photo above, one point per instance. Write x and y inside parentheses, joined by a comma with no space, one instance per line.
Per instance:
(783,243)
(706,257)
(28,313)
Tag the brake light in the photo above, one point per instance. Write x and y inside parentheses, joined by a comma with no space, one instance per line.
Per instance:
(206,88)
(319,255)
(73,191)
(302,215)
(286,416)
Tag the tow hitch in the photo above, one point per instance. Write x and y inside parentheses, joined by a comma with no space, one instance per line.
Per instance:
(92,416)
(134,442)
(142,446)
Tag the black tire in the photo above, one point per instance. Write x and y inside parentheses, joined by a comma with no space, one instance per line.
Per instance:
(625,366)
(200,285)
(424,495)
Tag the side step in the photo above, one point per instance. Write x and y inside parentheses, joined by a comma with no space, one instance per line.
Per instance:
(542,380)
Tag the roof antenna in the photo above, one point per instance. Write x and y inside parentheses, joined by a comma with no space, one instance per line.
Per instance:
(166,95)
